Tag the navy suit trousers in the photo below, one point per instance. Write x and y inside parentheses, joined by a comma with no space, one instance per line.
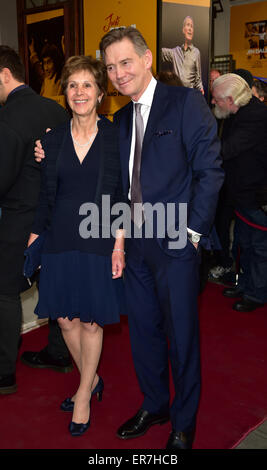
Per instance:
(162,294)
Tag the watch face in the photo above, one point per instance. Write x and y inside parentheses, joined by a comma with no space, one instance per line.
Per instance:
(195,238)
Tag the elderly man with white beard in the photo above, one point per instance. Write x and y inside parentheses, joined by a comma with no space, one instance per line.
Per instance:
(244,151)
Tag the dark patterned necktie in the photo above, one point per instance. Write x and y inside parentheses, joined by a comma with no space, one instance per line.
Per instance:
(136,193)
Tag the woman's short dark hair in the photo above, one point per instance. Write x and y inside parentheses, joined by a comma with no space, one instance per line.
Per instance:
(10,59)
(81,62)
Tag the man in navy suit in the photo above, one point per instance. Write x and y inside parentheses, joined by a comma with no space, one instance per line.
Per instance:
(180,163)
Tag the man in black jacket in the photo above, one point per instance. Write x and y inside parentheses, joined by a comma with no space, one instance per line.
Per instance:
(23,118)
(244,151)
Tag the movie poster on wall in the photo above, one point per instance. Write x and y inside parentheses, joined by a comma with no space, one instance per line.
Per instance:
(109,14)
(248,38)
(185,38)
(45,34)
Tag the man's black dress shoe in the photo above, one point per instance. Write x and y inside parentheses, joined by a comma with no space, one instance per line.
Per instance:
(43,360)
(180,440)
(8,384)
(246,305)
(233,292)
(140,423)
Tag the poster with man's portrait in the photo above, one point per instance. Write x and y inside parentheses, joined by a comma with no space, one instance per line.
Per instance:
(185,39)
(46,53)
(256,40)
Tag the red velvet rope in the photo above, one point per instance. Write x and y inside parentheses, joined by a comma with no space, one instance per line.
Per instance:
(259,227)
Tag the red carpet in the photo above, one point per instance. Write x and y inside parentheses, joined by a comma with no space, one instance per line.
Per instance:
(234,389)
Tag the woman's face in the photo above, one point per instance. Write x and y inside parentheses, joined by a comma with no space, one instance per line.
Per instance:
(49,67)
(82,93)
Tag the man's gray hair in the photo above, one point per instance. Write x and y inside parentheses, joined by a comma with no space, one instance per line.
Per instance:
(231,84)
(118,34)
(188,16)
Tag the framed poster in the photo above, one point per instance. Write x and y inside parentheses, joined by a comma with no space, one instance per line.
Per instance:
(184,45)
(50,34)
(248,38)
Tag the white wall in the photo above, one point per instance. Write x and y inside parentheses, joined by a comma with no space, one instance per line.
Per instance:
(8,23)
(29,301)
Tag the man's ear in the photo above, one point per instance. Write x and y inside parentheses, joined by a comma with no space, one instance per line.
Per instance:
(6,75)
(230,100)
(148,58)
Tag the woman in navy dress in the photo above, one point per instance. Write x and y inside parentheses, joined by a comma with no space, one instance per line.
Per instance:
(80,278)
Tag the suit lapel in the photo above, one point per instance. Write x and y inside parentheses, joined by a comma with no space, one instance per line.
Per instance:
(159,103)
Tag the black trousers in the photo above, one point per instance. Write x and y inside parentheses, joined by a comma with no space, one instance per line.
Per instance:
(224,216)
(10,327)
(56,346)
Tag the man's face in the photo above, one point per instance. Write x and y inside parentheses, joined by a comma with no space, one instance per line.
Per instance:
(213,75)
(223,106)
(255,93)
(188,29)
(129,73)
(48,66)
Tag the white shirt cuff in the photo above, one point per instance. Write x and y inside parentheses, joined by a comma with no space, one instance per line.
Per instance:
(193,232)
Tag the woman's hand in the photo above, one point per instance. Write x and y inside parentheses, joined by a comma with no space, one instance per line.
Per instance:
(118,263)
(32,238)
(118,255)
(39,153)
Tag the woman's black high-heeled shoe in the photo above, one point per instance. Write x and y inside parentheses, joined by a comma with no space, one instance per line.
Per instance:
(98,390)
(78,429)
(68,404)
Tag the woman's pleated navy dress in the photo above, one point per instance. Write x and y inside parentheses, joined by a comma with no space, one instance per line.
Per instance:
(76,277)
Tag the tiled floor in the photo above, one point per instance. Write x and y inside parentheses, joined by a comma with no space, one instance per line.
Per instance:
(256,439)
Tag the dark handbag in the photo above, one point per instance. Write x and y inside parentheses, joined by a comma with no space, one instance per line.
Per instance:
(33,255)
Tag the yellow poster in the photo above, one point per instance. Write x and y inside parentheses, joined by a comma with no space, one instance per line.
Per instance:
(104,15)
(248,37)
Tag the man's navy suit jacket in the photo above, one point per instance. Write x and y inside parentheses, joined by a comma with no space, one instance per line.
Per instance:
(181,160)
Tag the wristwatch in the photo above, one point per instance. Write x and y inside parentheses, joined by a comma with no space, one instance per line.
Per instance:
(194,237)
